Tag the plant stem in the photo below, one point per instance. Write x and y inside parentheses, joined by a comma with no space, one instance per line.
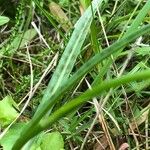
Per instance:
(89,94)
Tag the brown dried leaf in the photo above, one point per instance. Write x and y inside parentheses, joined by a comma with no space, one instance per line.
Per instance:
(124,146)
(60,16)
(102,144)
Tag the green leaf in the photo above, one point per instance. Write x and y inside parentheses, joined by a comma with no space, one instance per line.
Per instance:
(3,20)
(34,143)
(49,141)
(143,51)
(64,2)
(71,53)
(137,21)
(89,94)
(53,141)
(7,111)
(27,37)
(11,136)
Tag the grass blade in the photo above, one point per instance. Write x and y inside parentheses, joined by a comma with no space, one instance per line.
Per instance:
(70,54)
(140,17)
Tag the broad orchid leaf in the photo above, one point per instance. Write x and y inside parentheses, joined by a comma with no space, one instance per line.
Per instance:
(7,111)
(11,136)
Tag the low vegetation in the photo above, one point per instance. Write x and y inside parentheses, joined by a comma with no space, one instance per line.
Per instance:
(74,74)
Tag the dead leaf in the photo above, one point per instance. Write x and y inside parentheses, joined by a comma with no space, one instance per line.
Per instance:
(60,16)
(102,144)
(124,146)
